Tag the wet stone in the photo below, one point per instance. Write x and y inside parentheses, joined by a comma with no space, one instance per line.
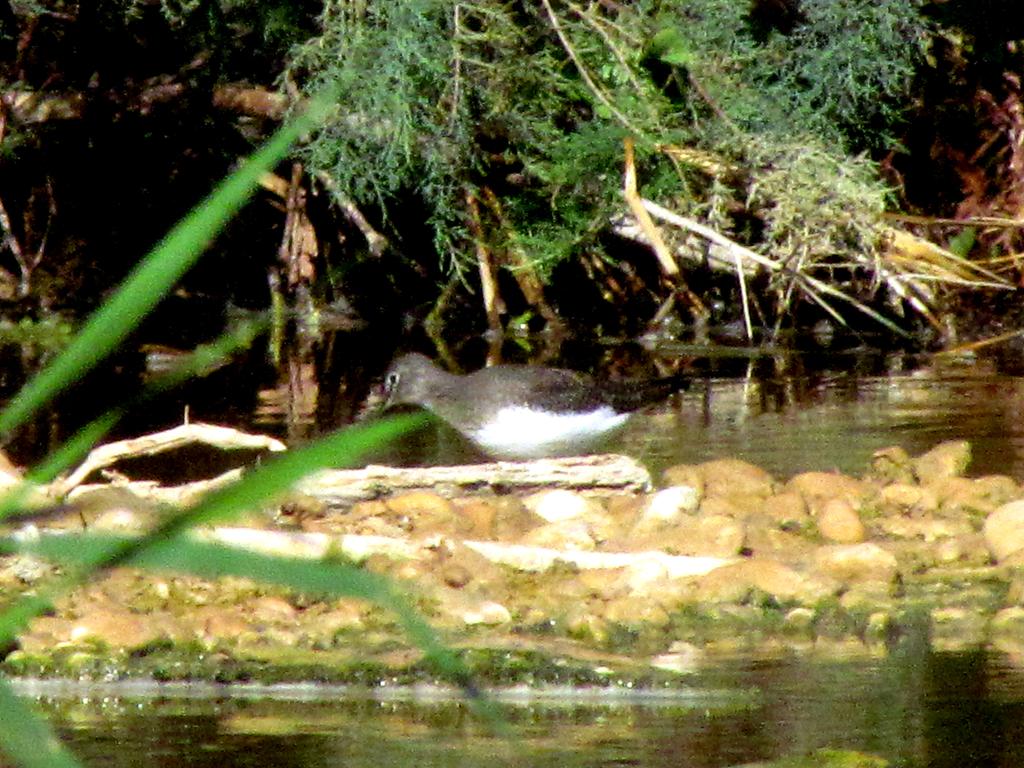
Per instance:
(711,536)
(684,474)
(961,494)
(820,487)
(838,521)
(512,519)
(476,518)
(731,583)
(669,505)
(572,534)
(558,505)
(632,611)
(422,512)
(892,465)
(488,613)
(922,528)
(725,477)
(1004,530)
(787,508)
(906,497)
(948,459)
(851,563)
(1009,621)
(956,628)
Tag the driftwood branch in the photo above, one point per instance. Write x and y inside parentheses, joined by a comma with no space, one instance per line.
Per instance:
(602,473)
(341,488)
(159,442)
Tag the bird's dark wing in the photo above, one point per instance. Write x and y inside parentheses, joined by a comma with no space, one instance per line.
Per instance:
(554,389)
(631,394)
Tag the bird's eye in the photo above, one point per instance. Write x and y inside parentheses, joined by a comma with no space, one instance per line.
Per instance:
(391,381)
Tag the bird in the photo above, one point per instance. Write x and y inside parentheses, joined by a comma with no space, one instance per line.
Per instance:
(516,412)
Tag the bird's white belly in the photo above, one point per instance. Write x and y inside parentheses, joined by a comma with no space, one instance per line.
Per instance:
(523,433)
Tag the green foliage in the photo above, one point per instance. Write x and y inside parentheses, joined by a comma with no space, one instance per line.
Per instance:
(848,69)
(441,99)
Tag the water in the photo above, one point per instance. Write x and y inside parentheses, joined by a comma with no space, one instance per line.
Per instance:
(837,422)
(793,418)
(917,711)
(785,411)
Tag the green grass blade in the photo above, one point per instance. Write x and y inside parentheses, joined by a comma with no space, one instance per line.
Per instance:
(27,738)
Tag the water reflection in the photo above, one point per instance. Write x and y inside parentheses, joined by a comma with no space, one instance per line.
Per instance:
(786,411)
(921,710)
(791,418)
(837,422)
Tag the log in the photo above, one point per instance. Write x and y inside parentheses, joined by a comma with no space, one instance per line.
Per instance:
(605,473)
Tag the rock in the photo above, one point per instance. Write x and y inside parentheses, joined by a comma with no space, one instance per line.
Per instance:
(726,477)
(1004,530)
(1008,621)
(712,536)
(799,621)
(476,518)
(947,459)
(766,538)
(559,504)
(733,583)
(422,512)
(639,612)
(512,519)
(820,487)
(736,507)
(979,497)
(116,628)
(851,563)
(684,474)
(892,465)
(43,633)
(907,497)
(681,657)
(488,613)
(922,528)
(955,628)
(787,509)
(571,534)
(271,609)
(604,583)
(585,626)
(838,521)
(669,505)
(456,575)
(213,623)
(878,627)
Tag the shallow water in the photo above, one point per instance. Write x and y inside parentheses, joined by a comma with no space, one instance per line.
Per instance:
(837,422)
(798,420)
(788,411)
(917,711)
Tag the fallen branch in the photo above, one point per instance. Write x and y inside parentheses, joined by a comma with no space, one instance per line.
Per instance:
(601,474)
(159,442)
